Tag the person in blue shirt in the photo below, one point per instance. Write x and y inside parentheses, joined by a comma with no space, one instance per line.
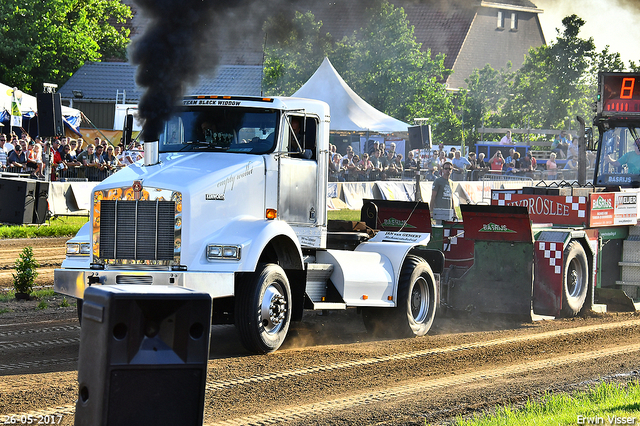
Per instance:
(460,165)
(631,159)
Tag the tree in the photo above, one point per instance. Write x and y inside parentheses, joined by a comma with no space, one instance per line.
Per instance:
(294,51)
(382,62)
(556,82)
(388,69)
(47,41)
(486,94)
(552,81)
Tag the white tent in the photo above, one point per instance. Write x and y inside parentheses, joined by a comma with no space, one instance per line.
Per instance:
(29,103)
(349,112)
(29,106)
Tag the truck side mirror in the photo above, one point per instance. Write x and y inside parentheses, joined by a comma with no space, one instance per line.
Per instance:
(127,129)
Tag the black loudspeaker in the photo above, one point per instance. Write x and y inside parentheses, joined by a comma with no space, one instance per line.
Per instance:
(41,208)
(420,137)
(18,200)
(143,355)
(49,114)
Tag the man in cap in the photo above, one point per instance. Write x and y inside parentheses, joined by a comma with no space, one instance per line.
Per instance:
(17,158)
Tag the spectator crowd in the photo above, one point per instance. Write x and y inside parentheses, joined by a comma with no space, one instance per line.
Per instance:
(382,163)
(63,158)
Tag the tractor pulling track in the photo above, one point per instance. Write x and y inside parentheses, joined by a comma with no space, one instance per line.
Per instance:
(329,371)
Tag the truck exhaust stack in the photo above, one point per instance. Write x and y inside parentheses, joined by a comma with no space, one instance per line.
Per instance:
(151,154)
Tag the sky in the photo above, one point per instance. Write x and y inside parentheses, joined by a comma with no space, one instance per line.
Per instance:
(610,22)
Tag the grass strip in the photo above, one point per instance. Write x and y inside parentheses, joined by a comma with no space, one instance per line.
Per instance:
(58,226)
(604,404)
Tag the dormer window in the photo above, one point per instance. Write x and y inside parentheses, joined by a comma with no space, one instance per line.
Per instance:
(500,19)
(514,21)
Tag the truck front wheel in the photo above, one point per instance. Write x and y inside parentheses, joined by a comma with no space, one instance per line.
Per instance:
(263,309)
(575,280)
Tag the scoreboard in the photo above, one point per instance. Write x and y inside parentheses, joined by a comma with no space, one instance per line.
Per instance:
(618,94)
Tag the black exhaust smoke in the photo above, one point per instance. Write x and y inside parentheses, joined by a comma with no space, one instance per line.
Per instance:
(176,47)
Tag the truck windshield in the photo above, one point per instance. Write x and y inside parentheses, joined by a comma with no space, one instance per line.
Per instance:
(619,154)
(241,130)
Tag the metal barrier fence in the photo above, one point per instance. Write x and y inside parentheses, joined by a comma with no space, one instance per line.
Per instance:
(82,173)
(23,172)
(502,181)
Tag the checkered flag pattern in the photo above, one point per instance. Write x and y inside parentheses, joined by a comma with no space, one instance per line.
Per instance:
(553,254)
(579,204)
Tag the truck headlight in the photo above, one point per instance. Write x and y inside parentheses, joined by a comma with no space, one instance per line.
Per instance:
(217,252)
(78,249)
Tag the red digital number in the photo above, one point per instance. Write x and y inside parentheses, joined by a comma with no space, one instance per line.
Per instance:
(626,90)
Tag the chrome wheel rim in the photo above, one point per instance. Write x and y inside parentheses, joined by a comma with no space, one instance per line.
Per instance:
(273,310)
(575,278)
(419,302)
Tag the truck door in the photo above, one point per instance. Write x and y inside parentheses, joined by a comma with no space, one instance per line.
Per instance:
(297,200)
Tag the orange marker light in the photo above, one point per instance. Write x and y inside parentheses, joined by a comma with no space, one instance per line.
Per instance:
(272,213)
(365,297)
(389,297)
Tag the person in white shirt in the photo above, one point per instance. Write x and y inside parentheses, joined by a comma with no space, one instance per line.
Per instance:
(506,139)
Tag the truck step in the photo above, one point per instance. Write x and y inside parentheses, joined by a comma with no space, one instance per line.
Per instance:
(634,230)
(317,276)
(631,288)
(626,263)
(317,306)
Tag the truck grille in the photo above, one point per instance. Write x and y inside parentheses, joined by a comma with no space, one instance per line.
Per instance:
(137,230)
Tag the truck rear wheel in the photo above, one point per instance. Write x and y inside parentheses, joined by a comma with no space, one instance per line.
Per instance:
(416,303)
(263,309)
(575,280)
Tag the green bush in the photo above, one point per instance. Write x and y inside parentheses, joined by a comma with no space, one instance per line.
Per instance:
(26,271)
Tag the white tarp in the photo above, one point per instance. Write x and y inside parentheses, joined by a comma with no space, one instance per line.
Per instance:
(349,112)
(29,103)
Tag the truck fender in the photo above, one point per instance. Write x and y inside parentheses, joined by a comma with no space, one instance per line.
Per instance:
(396,252)
(261,241)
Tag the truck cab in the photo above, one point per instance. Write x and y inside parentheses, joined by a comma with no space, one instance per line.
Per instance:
(231,201)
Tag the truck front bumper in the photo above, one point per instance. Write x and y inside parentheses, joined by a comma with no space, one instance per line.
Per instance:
(72,282)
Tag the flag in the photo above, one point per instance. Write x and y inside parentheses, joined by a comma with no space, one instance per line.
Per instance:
(16,115)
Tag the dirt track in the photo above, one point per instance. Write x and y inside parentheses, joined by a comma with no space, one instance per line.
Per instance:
(331,372)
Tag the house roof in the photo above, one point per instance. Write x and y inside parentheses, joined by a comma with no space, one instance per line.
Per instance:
(101,81)
(442,31)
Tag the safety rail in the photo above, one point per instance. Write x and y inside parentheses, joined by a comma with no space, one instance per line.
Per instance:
(82,173)
(499,180)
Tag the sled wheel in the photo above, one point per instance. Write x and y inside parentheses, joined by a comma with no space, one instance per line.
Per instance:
(575,280)
(416,300)
(263,309)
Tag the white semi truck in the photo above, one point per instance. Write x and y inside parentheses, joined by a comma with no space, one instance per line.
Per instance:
(231,200)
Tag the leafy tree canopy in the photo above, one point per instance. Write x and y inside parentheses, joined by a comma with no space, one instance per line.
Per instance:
(47,41)
(382,62)
(556,83)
